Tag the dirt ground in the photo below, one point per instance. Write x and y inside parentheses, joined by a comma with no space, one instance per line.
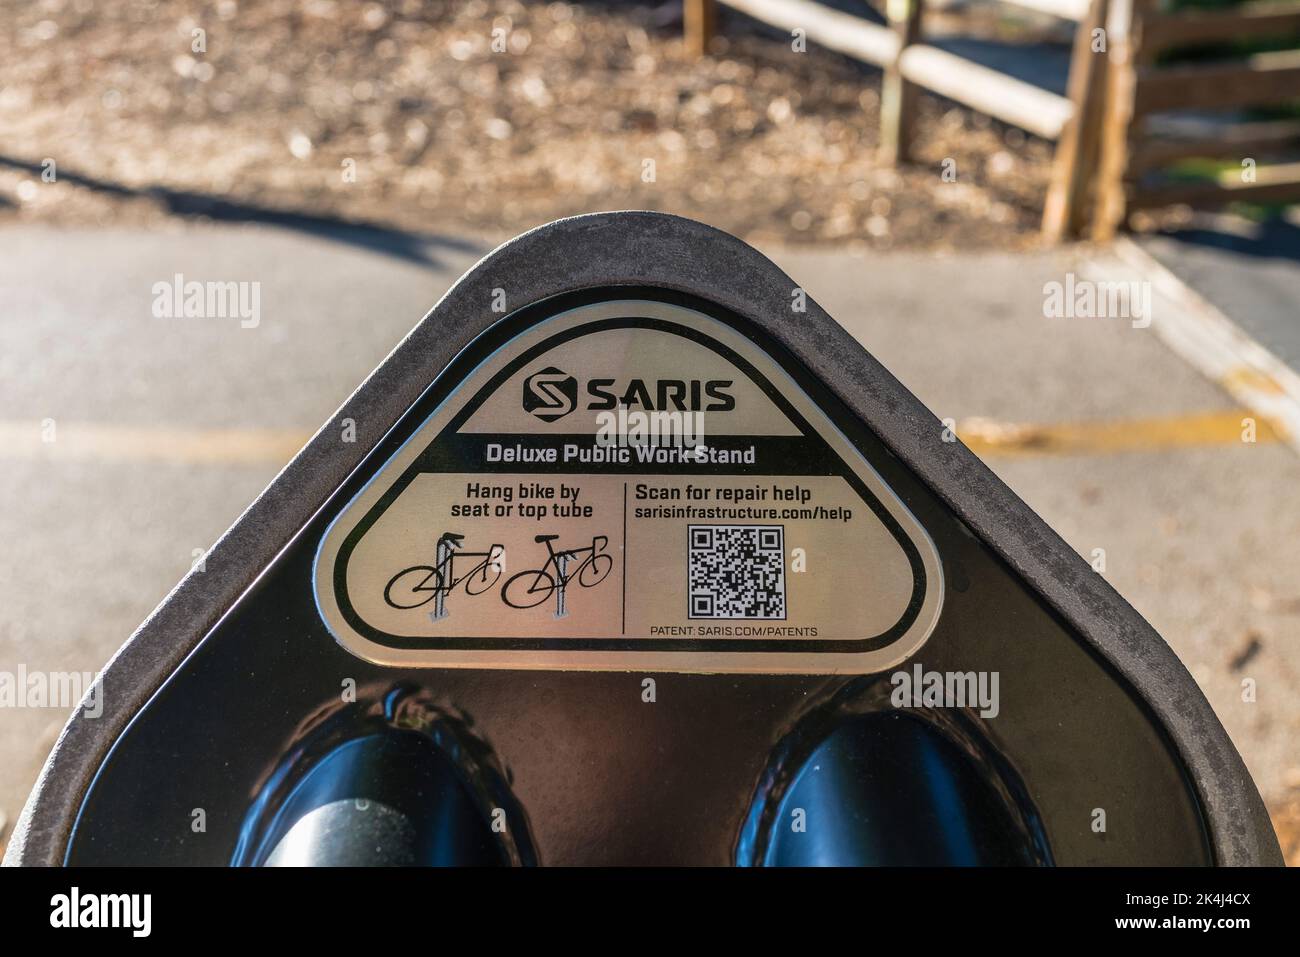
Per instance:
(403,114)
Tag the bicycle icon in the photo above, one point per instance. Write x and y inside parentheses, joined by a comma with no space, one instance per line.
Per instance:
(418,585)
(530,588)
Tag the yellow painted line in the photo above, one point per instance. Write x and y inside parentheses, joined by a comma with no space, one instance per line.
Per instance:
(1209,340)
(1245,378)
(1232,427)
(88,442)
(82,441)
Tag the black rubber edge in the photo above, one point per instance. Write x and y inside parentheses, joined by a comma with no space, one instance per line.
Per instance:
(675,253)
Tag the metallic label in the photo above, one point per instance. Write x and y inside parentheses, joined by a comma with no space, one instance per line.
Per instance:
(629,485)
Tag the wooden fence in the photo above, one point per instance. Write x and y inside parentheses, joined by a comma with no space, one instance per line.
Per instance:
(1108,160)
(1134,168)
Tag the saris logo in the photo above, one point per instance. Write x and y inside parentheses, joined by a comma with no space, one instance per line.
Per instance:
(550,394)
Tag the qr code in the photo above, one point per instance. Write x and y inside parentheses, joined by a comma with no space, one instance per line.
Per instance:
(736,571)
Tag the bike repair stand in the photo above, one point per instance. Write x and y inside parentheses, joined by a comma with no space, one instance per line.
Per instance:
(443,559)
(561,573)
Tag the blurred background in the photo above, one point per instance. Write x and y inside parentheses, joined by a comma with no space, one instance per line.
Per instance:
(926,172)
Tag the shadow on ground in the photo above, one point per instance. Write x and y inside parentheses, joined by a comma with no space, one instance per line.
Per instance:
(419,248)
(1274,238)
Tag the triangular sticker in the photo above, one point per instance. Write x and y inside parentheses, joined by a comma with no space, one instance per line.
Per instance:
(629,484)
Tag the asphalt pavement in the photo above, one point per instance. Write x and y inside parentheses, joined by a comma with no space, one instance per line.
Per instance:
(1249,270)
